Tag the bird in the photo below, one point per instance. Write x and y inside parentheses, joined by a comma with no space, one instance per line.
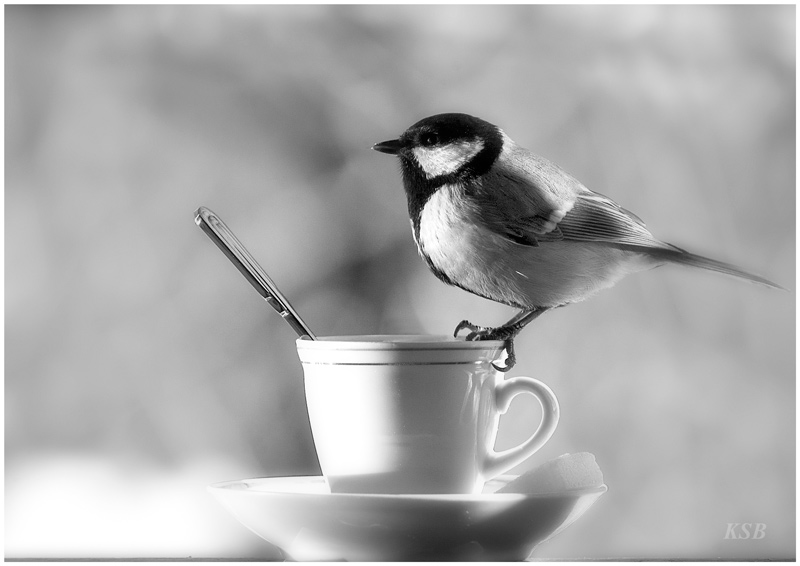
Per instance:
(497,220)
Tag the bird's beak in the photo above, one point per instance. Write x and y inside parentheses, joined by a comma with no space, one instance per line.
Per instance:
(392,147)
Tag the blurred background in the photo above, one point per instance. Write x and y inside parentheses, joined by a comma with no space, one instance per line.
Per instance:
(140,366)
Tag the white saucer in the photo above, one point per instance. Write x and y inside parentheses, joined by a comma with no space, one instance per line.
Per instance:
(300,516)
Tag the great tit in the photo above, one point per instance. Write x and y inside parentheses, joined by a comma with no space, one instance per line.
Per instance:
(501,222)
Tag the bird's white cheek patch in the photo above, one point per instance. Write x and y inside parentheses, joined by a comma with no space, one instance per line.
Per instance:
(446,159)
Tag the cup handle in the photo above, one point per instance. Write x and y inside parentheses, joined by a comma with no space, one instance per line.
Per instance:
(498,462)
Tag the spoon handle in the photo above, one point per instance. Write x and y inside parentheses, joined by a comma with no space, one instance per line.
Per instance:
(230,245)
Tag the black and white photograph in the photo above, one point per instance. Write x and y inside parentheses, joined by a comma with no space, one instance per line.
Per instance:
(400,282)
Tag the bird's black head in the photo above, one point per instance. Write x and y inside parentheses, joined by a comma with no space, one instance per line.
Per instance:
(443,149)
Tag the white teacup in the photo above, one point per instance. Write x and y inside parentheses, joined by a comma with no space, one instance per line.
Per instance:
(413,414)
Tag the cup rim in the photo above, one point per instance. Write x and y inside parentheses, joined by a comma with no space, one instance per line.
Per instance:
(396,342)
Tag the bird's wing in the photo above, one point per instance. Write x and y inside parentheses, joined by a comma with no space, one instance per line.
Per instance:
(597,218)
(543,203)
(525,198)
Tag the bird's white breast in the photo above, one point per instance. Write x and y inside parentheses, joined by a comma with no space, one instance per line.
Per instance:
(462,248)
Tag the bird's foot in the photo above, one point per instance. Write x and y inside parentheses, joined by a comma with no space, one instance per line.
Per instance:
(504,333)
(476,332)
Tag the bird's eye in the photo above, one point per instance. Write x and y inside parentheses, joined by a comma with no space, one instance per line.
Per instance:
(429,139)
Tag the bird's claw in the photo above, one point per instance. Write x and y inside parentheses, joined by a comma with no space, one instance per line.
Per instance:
(511,358)
(476,332)
(485,333)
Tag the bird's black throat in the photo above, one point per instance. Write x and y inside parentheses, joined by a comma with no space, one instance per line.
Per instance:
(419,188)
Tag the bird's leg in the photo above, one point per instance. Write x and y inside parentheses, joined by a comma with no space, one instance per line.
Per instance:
(517,322)
(507,333)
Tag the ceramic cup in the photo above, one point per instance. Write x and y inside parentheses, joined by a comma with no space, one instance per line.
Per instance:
(413,414)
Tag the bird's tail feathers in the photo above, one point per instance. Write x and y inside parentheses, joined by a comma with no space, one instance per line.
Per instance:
(677,255)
